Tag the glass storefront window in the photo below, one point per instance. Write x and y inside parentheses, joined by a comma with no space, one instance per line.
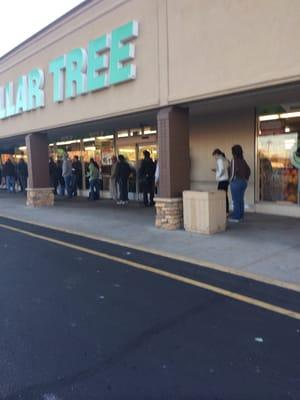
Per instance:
(129,152)
(100,148)
(150,131)
(106,145)
(131,143)
(152,148)
(279,178)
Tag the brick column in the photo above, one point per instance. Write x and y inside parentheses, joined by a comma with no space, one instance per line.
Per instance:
(174,166)
(38,193)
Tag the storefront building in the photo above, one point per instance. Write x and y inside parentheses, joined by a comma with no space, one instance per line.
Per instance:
(179,78)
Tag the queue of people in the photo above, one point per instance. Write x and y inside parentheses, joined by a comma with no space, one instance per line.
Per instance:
(234,174)
(14,175)
(66,178)
(66,175)
(121,172)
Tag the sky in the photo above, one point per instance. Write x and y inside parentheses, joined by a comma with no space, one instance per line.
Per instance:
(23,18)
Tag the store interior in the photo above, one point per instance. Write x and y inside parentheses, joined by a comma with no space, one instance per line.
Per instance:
(100,139)
(278,143)
(102,147)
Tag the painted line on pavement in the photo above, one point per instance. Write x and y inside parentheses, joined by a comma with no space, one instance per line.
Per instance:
(188,260)
(179,278)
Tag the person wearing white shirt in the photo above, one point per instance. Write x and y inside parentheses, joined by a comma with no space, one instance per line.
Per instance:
(222,173)
(157,174)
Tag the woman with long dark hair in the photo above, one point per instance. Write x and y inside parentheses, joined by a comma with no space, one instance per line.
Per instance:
(222,175)
(93,174)
(240,173)
(123,173)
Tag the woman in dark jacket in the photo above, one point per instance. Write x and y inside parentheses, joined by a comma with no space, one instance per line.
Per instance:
(240,173)
(122,173)
(147,178)
(53,172)
(9,171)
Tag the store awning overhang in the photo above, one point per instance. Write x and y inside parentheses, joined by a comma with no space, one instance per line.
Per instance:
(272,96)
(103,127)
(8,146)
(85,129)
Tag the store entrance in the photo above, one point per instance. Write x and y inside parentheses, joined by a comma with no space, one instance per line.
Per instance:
(133,153)
(101,146)
(279,159)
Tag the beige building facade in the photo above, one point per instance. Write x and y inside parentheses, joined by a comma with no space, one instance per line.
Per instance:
(200,74)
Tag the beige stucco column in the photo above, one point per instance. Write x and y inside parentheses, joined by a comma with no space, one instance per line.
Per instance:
(174,166)
(38,193)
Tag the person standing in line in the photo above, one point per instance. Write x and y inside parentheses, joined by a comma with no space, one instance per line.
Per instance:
(147,178)
(22,173)
(53,173)
(1,173)
(113,179)
(3,178)
(77,175)
(67,174)
(156,177)
(123,173)
(100,176)
(222,173)
(240,174)
(61,181)
(93,174)
(9,171)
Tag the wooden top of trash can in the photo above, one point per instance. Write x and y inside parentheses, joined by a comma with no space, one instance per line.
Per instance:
(204,195)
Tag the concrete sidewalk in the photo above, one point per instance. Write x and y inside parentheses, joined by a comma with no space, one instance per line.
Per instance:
(265,245)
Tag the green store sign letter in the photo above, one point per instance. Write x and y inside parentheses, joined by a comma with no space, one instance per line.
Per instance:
(108,60)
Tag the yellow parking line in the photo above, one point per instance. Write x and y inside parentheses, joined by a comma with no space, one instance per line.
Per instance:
(179,278)
(178,257)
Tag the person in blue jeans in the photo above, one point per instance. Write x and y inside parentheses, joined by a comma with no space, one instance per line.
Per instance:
(93,174)
(9,171)
(67,174)
(240,173)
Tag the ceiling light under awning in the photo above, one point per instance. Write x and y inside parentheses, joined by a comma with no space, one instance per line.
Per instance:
(272,117)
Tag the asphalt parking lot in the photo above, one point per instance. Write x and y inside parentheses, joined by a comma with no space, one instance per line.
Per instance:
(86,319)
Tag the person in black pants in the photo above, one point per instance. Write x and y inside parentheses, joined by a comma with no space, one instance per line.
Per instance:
(9,171)
(122,174)
(147,178)
(76,175)
(53,172)
(222,173)
(22,173)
